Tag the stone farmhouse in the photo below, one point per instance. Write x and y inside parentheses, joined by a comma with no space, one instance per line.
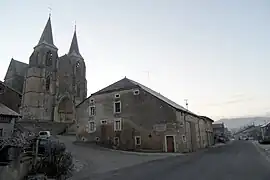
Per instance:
(130,116)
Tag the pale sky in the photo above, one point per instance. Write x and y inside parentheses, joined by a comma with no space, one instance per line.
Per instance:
(214,53)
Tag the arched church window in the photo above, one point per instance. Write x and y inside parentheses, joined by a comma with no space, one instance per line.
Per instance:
(49,58)
(48,83)
(78,64)
(78,67)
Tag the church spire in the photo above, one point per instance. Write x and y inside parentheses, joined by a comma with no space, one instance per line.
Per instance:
(74,48)
(47,37)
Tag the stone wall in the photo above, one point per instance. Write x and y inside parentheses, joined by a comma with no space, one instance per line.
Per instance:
(17,170)
(7,128)
(139,113)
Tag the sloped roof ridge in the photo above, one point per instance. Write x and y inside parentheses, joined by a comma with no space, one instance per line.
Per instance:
(4,110)
(161,97)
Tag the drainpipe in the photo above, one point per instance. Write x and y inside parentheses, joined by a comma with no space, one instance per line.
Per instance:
(199,129)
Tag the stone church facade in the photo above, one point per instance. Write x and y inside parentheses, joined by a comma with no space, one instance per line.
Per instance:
(50,85)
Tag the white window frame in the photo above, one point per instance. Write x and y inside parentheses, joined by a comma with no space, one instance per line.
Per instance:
(114,109)
(140,141)
(115,124)
(117,96)
(92,100)
(114,140)
(97,139)
(136,92)
(90,130)
(90,112)
(104,121)
(184,138)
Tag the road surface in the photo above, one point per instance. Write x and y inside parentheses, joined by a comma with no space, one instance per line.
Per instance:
(240,160)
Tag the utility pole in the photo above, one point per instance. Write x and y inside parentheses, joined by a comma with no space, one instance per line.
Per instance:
(148,75)
(186,100)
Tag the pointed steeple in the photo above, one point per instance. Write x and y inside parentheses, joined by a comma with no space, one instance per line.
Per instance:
(47,37)
(74,48)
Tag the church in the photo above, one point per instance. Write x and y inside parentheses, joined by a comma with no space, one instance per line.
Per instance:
(50,86)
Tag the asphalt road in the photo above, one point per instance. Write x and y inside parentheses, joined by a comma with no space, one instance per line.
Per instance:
(239,160)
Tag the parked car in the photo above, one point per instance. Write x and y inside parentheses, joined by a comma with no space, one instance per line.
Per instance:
(44,134)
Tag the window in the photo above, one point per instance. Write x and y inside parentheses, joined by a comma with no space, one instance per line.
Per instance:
(103,122)
(2,89)
(117,96)
(78,68)
(136,92)
(116,141)
(97,139)
(91,100)
(117,124)
(184,138)
(92,110)
(1,132)
(92,126)
(49,58)
(137,140)
(78,64)
(117,107)
(48,82)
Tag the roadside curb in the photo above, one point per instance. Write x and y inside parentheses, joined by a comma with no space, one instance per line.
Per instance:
(221,144)
(262,151)
(164,154)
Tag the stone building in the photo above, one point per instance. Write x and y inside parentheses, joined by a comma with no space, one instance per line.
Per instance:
(8,118)
(50,85)
(130,116)
(10,97)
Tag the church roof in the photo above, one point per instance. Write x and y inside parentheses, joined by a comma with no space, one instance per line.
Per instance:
(19,68)
(74,48)
(47,37)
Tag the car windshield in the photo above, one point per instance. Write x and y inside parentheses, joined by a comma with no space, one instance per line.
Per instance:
(43,133)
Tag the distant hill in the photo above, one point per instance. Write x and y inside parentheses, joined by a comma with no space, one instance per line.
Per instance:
(236,123)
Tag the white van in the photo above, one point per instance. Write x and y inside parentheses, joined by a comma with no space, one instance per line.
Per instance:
(44,134)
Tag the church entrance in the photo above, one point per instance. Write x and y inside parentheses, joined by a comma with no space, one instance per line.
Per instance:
(65,110)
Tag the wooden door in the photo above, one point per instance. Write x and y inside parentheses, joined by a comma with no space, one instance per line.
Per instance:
(170,143)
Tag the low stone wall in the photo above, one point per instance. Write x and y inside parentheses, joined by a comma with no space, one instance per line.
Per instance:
(16,170)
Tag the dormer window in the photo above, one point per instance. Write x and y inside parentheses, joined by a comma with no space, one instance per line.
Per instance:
(49,58)
(136,92)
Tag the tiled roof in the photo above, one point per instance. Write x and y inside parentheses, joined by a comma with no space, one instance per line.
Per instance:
(19,68)
(47,37)
(4,110)
(126,83)
(74,48)
(159,96)
(10,88)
